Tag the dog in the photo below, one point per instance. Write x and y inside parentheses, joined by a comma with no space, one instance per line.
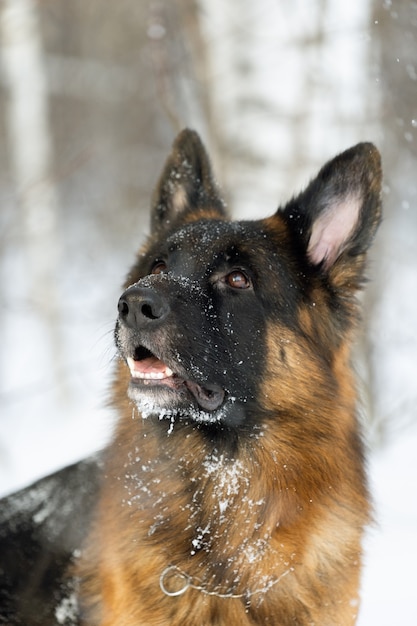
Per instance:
(234,490)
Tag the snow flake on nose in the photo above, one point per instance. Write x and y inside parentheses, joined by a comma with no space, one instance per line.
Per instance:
(183,281)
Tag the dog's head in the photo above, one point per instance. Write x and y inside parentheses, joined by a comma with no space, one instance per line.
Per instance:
(214,306)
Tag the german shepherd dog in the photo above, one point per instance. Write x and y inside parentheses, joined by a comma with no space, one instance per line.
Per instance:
(234,490)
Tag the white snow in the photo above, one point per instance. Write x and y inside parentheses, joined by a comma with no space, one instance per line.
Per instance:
(389,591)
(67,609)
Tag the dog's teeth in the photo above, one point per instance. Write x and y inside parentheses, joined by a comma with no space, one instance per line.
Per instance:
(166,372)
(149,375)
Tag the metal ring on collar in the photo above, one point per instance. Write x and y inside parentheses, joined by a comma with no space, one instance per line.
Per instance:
(173,570)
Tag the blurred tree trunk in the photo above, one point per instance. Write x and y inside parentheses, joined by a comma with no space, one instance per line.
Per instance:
(391,335)
(30,147)
(288,84)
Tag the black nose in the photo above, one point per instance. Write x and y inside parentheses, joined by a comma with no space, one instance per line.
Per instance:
(141,306)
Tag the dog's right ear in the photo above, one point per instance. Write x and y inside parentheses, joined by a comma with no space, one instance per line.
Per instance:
(186,186)
(335,219)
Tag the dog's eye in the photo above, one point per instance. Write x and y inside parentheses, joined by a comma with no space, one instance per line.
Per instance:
(159,267)
(238,280)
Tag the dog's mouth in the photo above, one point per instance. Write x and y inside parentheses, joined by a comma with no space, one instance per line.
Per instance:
(147,369)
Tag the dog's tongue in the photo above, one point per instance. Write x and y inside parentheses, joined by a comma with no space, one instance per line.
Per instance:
(149,368)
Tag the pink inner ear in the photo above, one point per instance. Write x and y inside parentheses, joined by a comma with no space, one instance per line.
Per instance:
(333,229)
(179,199)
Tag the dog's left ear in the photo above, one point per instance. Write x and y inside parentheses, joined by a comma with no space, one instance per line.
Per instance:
(186,184)
(336,217)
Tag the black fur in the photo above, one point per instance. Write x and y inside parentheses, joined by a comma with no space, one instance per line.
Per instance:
(186,302)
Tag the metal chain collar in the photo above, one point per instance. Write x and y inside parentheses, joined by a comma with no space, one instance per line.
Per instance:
(187,583)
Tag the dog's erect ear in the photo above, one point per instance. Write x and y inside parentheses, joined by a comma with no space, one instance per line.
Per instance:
(336,217)
(186,184)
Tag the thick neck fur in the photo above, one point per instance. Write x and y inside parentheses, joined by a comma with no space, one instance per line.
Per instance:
(225,516)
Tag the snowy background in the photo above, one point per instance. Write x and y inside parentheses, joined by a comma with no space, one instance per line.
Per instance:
(91,96)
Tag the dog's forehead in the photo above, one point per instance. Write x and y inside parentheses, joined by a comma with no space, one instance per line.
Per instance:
(213,236)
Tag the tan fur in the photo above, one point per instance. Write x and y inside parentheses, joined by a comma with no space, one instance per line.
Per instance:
(268,531)
(295,508)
